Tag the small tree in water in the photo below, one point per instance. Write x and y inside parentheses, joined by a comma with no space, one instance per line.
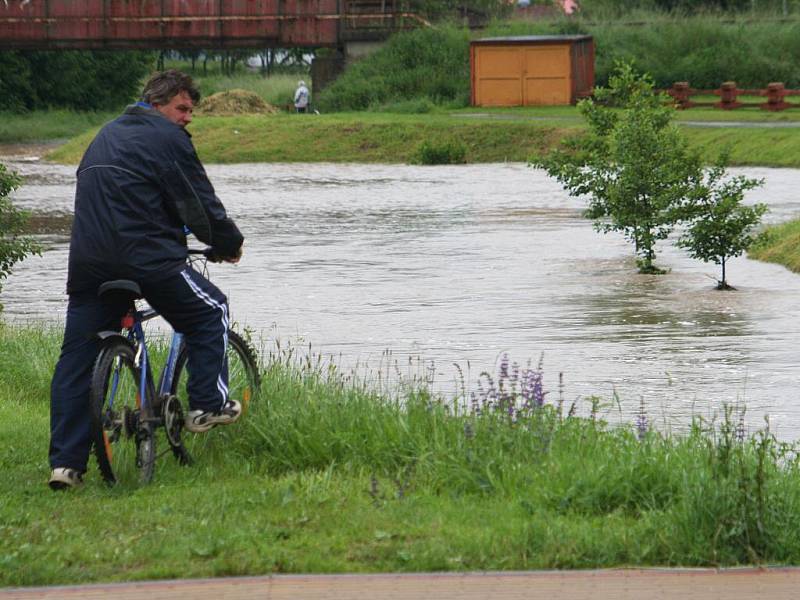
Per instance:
(722,227)
(13,245)
(633,164)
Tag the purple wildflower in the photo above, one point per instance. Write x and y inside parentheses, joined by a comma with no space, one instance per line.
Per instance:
(642,426)
(504,367)
(538,389)
(740,432)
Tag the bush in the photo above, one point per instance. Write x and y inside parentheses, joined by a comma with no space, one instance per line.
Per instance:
(450,152)
(430,64)
(13,245)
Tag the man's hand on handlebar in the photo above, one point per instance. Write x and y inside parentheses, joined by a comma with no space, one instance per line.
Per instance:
(212,256)
(235,259)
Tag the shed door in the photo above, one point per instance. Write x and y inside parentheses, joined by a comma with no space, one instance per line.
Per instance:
(547,75)
(498,74)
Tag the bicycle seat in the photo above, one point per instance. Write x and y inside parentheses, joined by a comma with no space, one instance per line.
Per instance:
(120,286)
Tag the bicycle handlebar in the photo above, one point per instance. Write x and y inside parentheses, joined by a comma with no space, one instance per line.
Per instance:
(207,252)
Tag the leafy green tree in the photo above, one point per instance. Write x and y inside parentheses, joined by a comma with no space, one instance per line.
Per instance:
(16,90)
(14,246)
(722,227)
(633,164)
(77,79)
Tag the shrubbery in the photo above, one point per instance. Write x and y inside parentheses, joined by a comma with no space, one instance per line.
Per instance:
(703,50)
(424,63)
(14,246)
(75,79)
(446,152)
(432,65)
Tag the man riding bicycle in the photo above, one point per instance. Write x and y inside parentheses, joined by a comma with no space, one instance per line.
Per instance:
(139,185)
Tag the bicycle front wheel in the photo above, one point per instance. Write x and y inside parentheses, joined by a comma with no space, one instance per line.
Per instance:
(243,377)
(122,426)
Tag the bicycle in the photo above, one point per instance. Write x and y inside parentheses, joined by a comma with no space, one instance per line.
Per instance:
(125,409)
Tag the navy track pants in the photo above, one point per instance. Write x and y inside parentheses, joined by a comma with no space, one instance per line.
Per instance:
(190,303)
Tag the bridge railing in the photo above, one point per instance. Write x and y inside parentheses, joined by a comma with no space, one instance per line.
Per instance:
(379,15)
(45,24)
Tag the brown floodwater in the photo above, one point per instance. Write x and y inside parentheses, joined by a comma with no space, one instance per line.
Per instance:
(373,264)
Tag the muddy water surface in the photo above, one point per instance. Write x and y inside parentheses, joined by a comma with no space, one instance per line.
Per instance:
(460,264)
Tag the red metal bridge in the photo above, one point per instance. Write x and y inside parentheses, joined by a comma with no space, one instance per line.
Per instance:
(53,24)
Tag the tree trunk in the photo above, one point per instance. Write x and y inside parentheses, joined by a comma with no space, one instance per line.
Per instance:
(723,284)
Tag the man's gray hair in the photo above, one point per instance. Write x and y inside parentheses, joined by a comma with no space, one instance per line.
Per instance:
(165,85)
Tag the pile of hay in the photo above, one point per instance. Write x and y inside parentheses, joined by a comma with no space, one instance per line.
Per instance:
(234,102)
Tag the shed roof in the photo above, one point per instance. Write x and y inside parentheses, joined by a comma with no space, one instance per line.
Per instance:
(532,39)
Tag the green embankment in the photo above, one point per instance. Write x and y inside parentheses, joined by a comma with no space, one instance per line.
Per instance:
(391,138)
(331,477)
(46,125)
(350,138)
(781,245)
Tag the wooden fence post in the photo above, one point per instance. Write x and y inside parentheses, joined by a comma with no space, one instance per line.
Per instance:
(727,93)
(775,93)
(680,92)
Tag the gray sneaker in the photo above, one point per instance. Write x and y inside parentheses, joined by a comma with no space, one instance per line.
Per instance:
(198,421)
(63,478)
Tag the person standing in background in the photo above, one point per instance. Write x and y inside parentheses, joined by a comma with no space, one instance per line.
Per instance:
(301,97)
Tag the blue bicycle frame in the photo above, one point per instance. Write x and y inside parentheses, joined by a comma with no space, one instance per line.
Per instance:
(142,359)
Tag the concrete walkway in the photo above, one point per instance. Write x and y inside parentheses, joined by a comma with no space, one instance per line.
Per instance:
(626,584)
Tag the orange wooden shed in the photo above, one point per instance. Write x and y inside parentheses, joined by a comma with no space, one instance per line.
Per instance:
(531,70)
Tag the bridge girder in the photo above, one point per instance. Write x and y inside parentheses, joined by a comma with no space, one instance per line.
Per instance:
(132,24)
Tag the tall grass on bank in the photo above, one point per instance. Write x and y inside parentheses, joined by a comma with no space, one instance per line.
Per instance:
(713,496)
(779,244)
(328,474)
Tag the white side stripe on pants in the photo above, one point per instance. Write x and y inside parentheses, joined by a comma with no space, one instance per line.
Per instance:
(221,386)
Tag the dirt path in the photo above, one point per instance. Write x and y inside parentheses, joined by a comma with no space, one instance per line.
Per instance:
(638,584)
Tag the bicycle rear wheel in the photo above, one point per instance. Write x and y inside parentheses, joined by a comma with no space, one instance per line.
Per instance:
(243,377)
(122,427)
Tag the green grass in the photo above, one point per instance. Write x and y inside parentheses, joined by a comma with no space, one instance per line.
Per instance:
(349,137)
(780,244)
(46,125)
(702,114)
(328,476)
(509,135)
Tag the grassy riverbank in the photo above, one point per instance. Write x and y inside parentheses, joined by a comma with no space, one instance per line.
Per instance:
(781,245)
(329,476)
(351,137)
(46,125)
(493,136)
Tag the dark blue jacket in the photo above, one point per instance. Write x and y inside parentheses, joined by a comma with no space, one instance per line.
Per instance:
(139,183)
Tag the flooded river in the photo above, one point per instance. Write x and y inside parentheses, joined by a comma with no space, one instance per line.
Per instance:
(460,264)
